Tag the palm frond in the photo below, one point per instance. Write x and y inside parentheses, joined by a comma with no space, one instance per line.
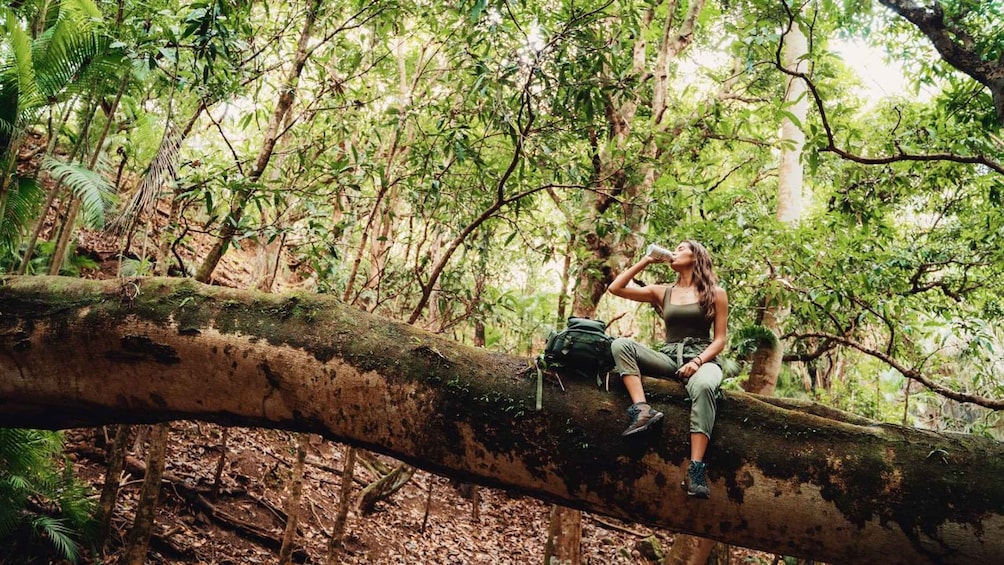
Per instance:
(62,51)
(84,8)
(55,62)
(16,440)
(11,514)
(22,67)
(95,192)
(29,480)
(24,199)
(76,501)
(161,170)
(57,534)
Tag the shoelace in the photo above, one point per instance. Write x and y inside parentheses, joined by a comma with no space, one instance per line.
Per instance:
(697,477)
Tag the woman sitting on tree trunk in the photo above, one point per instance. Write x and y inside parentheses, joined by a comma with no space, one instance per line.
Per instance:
(691,308)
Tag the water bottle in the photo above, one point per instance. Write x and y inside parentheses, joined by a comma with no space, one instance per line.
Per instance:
(660,254)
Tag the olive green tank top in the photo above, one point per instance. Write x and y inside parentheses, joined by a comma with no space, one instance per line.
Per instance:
(684,320)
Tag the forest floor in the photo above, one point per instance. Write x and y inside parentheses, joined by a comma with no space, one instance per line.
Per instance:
(429,521)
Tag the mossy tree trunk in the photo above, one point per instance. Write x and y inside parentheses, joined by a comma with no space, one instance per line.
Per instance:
(788,477)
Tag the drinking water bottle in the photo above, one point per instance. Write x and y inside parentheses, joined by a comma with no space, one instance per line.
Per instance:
(660,254)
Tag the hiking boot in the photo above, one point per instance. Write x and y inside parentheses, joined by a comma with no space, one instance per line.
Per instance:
(642,416)
(696,481)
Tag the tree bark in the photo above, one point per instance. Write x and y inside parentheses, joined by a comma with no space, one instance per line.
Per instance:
(218,475)
(110,490)
(789,178)
(788,477)
(293,503)
(146,508)
(564,536)
(383,487)
(981,60)
(344,500)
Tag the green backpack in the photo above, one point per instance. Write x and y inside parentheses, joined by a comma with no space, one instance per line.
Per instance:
(581,350)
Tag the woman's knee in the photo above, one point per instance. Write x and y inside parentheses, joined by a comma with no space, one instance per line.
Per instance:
(705,381)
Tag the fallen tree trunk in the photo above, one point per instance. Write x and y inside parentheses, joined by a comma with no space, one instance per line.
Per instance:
(786,477)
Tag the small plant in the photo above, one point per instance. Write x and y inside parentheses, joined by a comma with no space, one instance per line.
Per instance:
(44,510)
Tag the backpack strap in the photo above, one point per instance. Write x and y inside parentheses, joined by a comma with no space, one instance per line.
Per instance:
(540,385)
(538,362)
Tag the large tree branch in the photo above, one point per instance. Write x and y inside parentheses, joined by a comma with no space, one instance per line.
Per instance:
(900,156)
(955,45)
(785,477)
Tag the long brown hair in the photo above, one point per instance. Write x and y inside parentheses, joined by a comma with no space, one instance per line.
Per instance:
(704,277)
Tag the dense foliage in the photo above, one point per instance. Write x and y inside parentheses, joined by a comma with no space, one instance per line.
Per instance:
(474,167)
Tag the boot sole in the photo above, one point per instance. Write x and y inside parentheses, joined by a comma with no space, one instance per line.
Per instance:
(648,424)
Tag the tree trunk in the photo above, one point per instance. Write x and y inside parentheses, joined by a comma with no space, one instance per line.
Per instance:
(981,60)
(293,503)
(564,536)
(607,255)
(787,476)
(218,475)
(269,138)
(110,490)
(789,199)
(769,354)
(146,508)
(59,254)
(344,501)
(689,550)
(765,364)
(92,110)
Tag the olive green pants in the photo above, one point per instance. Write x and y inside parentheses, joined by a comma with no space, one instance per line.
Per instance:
(633,358)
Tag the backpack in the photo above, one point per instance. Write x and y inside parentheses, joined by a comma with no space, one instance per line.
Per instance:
(581,350)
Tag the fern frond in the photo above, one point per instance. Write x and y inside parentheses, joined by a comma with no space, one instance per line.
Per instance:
(95,192)
(752,337)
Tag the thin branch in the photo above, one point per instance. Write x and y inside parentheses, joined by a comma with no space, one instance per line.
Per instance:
(991,403)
